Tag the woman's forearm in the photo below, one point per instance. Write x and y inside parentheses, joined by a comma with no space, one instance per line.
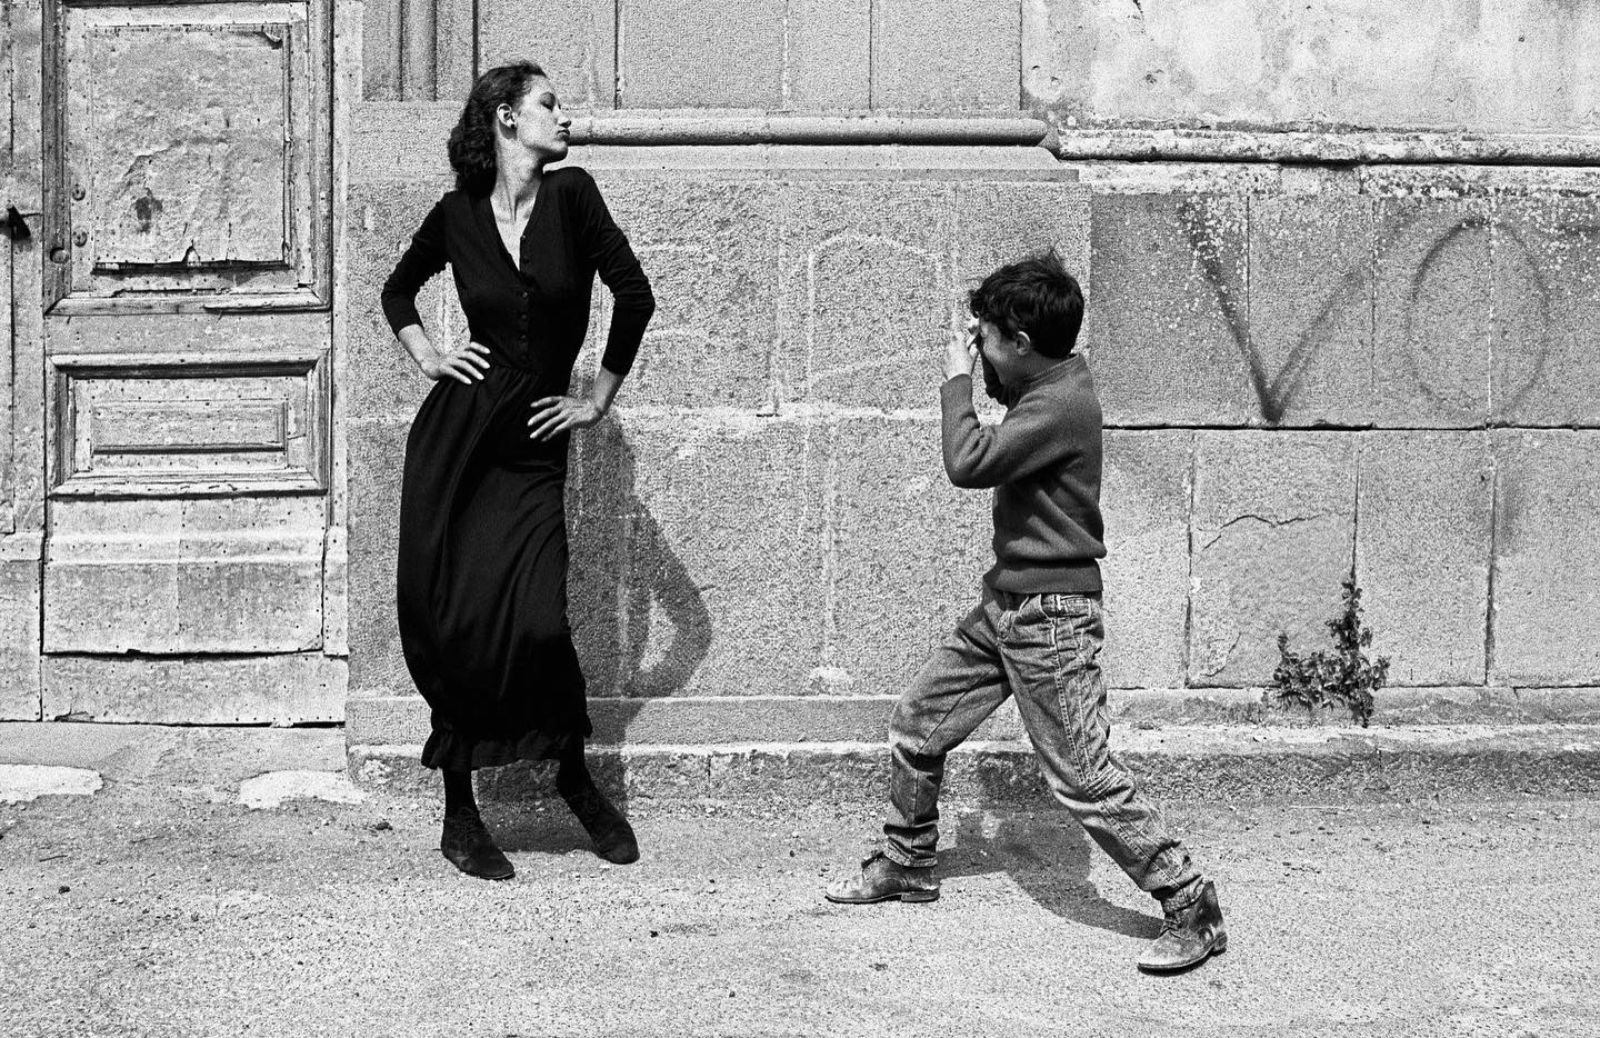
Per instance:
(417,343)
(604,389)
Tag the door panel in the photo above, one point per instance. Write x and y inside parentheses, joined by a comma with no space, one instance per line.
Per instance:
(185,575)
(190,167)
(135,425)
(187,337)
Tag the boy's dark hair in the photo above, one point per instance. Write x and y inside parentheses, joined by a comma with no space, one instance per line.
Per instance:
(1034,295)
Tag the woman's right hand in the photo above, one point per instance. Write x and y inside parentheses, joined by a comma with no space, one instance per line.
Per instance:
(464,364)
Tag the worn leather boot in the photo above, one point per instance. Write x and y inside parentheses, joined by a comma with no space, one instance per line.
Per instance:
(470,848)
(884,879)
(612,835)
(1189,933)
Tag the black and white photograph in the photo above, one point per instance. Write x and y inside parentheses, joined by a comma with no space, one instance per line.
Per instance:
(789,518)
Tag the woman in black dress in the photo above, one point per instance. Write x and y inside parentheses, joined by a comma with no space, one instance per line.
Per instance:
(483,538)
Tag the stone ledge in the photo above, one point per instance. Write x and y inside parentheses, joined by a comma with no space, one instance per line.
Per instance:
(708,721)
(669,126)
(404,143)
(1215,764)
(1229,764)
(171,756)
(1331,147)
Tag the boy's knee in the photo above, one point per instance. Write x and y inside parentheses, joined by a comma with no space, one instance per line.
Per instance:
(1089,775)
(913,733)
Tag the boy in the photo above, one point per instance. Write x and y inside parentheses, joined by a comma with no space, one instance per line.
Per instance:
(1038,630)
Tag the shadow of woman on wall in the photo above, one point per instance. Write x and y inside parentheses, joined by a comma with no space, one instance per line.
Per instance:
(640,625)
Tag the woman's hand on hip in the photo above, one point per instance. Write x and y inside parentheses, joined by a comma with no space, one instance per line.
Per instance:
(464,364)
(555,415)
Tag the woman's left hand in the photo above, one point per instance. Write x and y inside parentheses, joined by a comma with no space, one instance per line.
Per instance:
(554,415)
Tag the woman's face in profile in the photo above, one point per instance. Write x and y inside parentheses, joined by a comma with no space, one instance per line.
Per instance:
(541,126)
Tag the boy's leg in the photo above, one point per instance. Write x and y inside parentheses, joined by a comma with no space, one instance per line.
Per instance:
(960,684)
(1051,653)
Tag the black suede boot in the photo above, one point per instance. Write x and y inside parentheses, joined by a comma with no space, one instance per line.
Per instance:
(466,841)
(469,847)
(612,835)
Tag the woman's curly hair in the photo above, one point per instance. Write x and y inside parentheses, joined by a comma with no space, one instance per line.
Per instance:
(472,141)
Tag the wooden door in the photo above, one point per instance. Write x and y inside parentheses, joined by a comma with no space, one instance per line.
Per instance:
(21,374)
(187,288)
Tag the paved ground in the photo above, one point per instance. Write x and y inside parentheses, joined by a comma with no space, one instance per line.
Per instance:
(146,910)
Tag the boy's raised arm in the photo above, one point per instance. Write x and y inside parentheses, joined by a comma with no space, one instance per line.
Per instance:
(978,456)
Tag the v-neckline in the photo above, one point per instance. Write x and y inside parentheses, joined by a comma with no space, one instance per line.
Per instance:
(489,224)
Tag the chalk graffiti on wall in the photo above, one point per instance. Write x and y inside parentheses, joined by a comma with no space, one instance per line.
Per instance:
(1520,291)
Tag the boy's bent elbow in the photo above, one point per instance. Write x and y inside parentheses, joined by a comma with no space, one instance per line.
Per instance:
(962,475)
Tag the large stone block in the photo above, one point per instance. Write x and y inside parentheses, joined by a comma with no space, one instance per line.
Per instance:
(380,378)
(1167,329)
(829,48)
(999,220)
(945,54)
(282,689)
(19,628)
(1546,307)
(1546,582)
(1513,66)
(377,449)
(710,248)
(675,585)
(1433,317)
(866,302)
(702,539)
(1273,532)
(687,54)
(574,41)
(1144,499)
(907,552)
(240,575)
(1422,553)
(1311,293)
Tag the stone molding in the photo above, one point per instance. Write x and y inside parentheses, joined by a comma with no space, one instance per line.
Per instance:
(1325,147)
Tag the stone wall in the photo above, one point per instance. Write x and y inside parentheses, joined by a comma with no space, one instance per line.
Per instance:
(1453,66)
(1342,285)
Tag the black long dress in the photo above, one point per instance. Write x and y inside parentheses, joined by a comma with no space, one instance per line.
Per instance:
(483,539)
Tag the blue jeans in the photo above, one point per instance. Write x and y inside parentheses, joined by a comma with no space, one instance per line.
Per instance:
(1044,649)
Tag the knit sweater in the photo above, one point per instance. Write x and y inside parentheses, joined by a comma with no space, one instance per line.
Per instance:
(1043,461)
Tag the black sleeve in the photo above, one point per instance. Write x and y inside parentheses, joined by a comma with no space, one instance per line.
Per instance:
(607,248)
(424,258)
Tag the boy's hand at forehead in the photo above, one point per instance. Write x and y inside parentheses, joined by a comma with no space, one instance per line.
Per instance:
(961,351)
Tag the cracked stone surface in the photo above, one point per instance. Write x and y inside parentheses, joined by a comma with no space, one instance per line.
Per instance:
(1274,532)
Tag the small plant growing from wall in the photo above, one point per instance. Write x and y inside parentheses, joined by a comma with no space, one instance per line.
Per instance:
(1345,675)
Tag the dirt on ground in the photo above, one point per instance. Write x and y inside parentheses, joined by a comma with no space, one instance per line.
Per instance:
(149,911)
